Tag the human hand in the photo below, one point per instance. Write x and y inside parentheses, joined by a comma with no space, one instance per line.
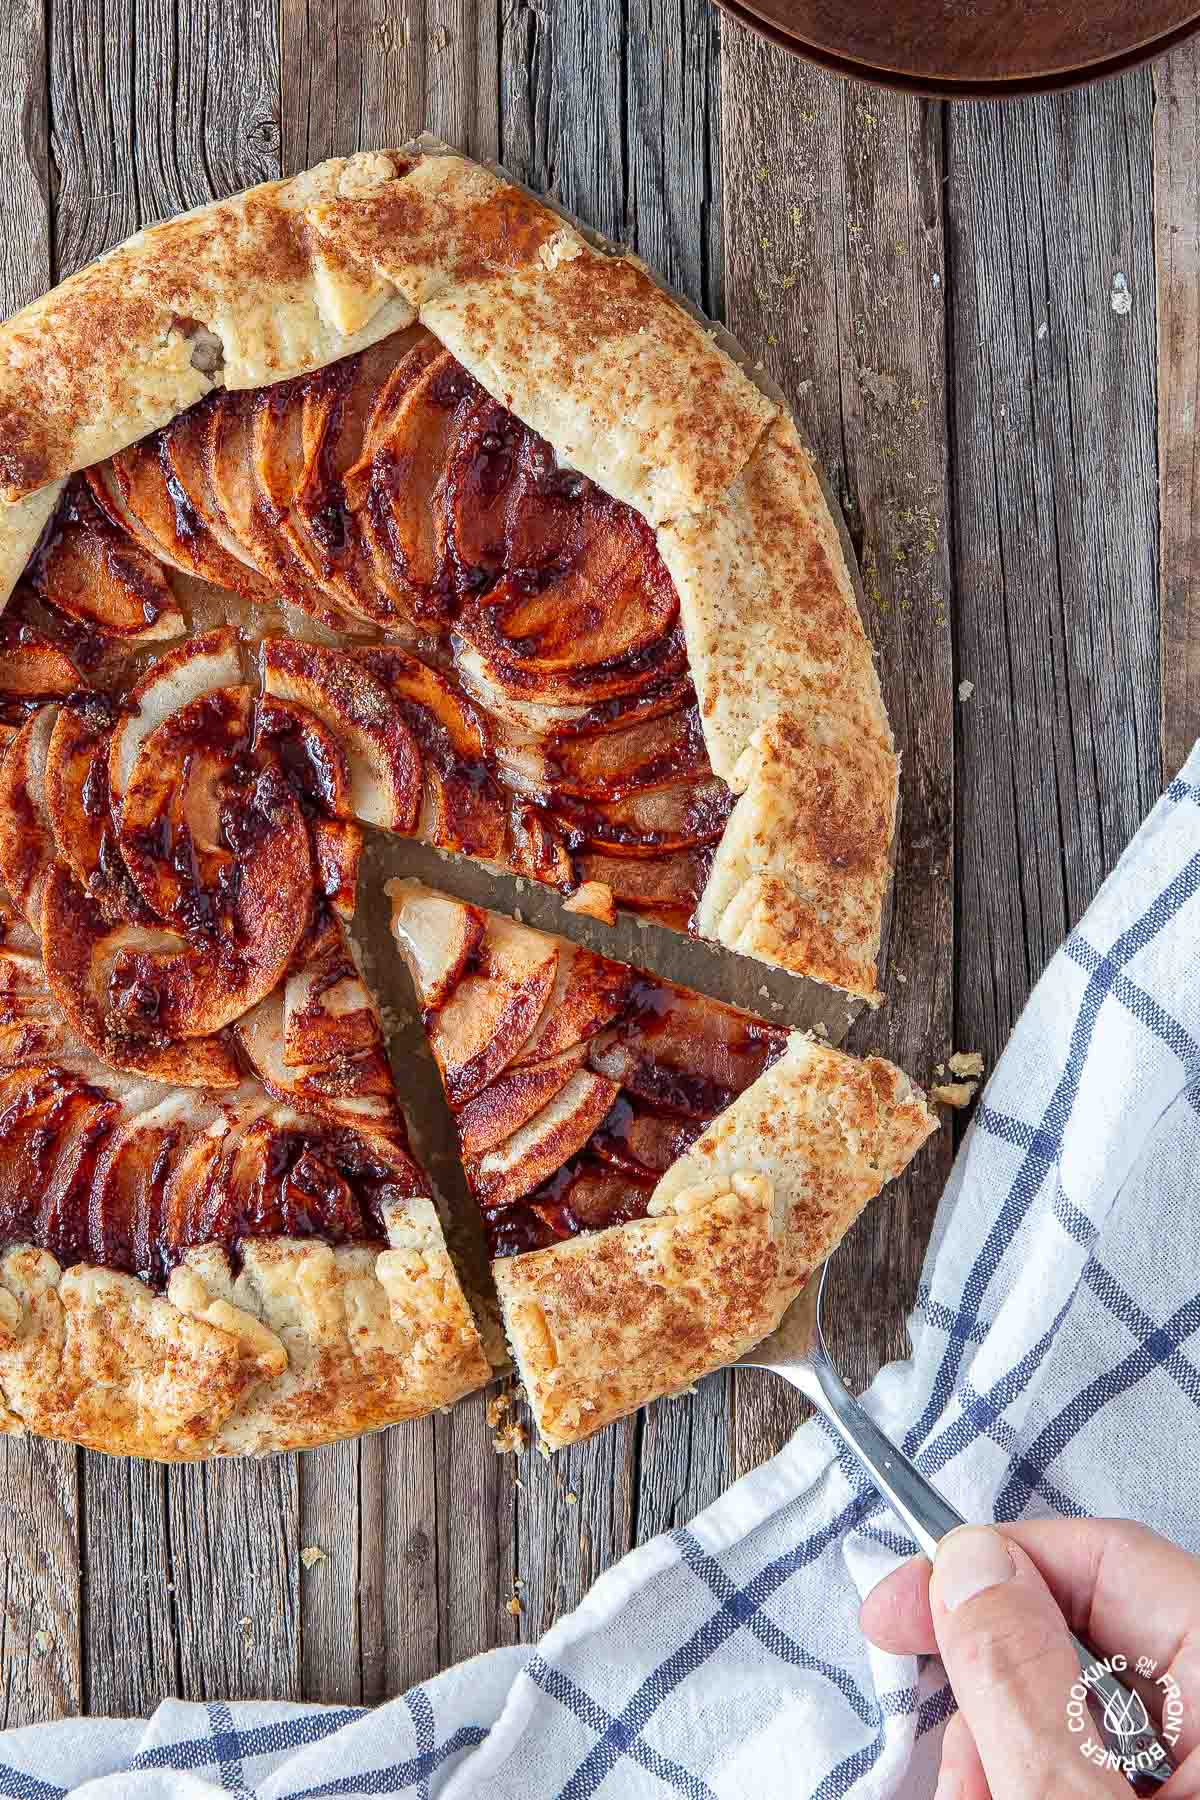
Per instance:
(996,1606)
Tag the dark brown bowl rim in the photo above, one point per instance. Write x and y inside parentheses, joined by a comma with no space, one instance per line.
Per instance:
(934,87)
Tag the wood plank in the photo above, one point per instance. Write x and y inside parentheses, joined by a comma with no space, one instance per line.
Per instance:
(131,146)
(835,274)
(1053,428)
(358,78)
(1177,251)
(40,1650)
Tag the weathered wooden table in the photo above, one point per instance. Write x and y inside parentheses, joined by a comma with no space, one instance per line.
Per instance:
(988,321)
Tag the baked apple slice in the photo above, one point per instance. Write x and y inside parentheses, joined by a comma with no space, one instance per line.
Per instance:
(381,752)
(27,853)
(98,577)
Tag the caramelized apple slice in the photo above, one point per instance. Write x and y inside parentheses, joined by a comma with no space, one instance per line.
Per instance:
(641,1141)
(590,991)
(397,490)
(439,938)
(81,952)
(350,1090)
(309,753)
(642,753)
(684,1054)
(493,460)
(198,1194)
(172,837)
(255,526)
(153,494)
(561,682)
(26,837)
(491,1010)
(100,578)
(463,807)
(107,492)
(76,790)
(536,847)
(544,1143)
(594,1195)
(384,763)
(664,887)
(327,1011)
(218,552)
(128,1225)
(649,822)
(513,1099)
(337,850)
(243,933)
(41,1113)
(338,403)
(180,676)
(33,670)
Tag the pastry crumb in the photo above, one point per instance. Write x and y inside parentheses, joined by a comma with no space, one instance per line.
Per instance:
(312,1554)
(965,689)
(821,1029)
(43,1643)
(571,1497)
(513,1605)
(511,1439)
(955,1093)
(966,1062)
(496,1408)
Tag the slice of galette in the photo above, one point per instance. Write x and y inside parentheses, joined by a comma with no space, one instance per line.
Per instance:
(657,1173)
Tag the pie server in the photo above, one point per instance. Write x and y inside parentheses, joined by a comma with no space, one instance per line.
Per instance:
(797,1352)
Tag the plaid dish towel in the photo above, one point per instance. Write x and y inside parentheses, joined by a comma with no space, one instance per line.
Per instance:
(1056,1368)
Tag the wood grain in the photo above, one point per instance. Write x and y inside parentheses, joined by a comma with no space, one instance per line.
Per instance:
(1054,474)
(41,1674)
(1177,253)
(835,274)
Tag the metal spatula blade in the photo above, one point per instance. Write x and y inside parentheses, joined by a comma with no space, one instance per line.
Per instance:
(797,1352)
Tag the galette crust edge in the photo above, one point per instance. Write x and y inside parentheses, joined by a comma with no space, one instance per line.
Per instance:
(307,1344)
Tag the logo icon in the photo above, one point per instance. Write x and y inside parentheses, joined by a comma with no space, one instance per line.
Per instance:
(1130,1746)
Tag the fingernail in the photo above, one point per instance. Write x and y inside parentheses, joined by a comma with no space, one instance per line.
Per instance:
(972,1558)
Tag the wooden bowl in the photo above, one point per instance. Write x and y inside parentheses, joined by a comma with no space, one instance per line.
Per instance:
(972,49)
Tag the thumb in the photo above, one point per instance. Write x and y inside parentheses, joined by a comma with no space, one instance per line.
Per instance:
(1008,1653)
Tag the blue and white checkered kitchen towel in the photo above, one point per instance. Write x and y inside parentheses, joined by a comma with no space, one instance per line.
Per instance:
(1056,1368)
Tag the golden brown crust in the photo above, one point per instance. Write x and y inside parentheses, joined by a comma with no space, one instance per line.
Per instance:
(800,874)
(793,719)
(601,1324)
(306,1345)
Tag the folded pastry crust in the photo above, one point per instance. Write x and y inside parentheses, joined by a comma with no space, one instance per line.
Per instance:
(587,350)
(306,1344)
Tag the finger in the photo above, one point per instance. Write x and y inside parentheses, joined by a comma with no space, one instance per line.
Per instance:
(895,1614)
(960,1776)
(1008,1654)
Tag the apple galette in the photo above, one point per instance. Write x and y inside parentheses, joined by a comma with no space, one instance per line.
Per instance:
(380,497)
